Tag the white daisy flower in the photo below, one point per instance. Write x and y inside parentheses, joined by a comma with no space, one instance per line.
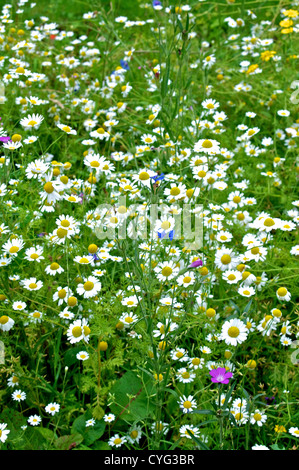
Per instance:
(52,408)
(6,323)
(34,420)
(32,121)
(67,129)
(117,441)
(234,332)
(187,404)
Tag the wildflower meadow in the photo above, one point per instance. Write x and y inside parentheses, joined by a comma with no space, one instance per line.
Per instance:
(149,165)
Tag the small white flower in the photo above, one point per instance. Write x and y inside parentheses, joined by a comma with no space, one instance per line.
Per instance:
(52,408)
(82,356)
(34,420)
(90,422)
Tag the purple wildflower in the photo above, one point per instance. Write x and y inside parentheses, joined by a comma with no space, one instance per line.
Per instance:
(220,375)
(4,138)
(270,400)
(81,196)
(195,264)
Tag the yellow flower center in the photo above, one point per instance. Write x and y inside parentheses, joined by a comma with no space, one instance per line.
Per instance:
(61,232)
(165,225)
(233,332)
(282,292)
(86,330)
(187,404)
(72,301)
(210,313)
(48,187)
(167,271)
(62,293)
(64,179)
(251,364)
(77,331)
(54,266)
(225,259)
(175,191)
(88,285)
(207,144)
(269,222)
(204,271)
(134,434)
(189,192)
(144,176)
(185,375)
(65,223)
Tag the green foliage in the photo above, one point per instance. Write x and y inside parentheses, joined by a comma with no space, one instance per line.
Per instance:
(89,434)
(131,398)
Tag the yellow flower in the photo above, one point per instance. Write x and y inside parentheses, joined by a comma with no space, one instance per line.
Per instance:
(267,55)
(287,31)
(252,68)
(291,13)
(279,428)
(286,23)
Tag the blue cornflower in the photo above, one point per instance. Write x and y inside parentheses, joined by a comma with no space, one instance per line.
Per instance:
(162,234)
(124,64)
(158,177)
